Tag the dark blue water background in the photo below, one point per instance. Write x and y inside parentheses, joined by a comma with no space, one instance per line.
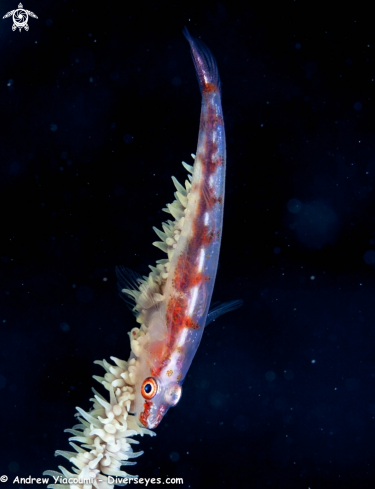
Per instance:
(99,104)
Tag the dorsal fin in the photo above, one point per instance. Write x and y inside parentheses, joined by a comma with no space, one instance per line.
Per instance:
(140,292)
(127,280)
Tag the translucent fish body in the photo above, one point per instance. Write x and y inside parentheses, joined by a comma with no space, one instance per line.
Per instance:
(172,303)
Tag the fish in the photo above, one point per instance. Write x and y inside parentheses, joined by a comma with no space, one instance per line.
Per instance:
(171,304)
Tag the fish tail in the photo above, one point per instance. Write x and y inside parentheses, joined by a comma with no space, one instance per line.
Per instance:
(205,64)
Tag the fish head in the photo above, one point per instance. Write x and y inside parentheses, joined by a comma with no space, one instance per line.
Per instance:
(154,399)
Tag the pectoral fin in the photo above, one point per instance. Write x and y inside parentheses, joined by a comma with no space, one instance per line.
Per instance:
(217,309)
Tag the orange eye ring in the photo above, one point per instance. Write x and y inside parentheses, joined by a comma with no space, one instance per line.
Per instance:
(149,388)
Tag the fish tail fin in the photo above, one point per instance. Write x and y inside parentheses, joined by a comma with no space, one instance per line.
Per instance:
(205,64)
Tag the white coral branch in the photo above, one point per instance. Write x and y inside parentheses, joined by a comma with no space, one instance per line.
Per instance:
(104,434)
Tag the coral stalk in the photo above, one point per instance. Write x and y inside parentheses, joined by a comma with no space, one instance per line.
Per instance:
(104,434)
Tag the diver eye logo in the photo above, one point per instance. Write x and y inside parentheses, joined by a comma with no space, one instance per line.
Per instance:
(20,17)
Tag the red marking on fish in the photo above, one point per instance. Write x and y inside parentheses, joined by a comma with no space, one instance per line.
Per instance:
(143,417)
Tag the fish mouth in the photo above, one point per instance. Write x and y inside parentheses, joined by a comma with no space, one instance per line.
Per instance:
(151,418)
(149,423)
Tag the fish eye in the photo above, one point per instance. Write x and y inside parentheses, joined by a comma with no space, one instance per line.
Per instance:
(149,388)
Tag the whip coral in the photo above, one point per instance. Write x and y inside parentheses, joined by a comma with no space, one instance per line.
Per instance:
(104,433)
(171,306)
